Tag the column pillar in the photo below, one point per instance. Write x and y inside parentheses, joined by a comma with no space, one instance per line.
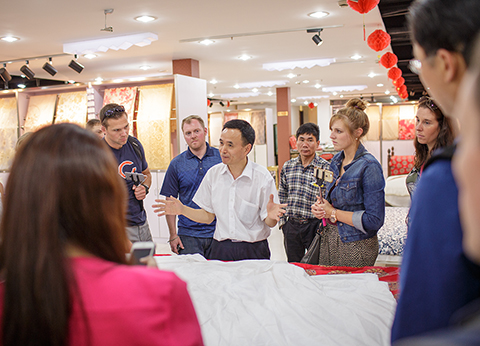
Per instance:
(283,125)
(187,67)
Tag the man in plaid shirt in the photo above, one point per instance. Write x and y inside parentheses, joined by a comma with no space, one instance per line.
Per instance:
(297,189)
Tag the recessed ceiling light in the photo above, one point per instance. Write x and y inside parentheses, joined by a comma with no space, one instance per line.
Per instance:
(99,79)
(293,100)
(247,109)
(254,90)
(341,96)
(315,104)
(23,86)
(318,14)
(371,74)
(145,19)
(137,79)
(117,80)
(90,56)
(213,81)
(228,110)
(291,75)
(387,92)
(145,67)
(318,86)
(9,38)
(207,42)
(356,57)
(379,85)
(211,95)
(245,57)
(334,93)
(236,86)
(269,93)
(306,81)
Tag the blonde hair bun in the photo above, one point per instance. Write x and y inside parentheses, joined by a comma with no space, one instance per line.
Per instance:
(357,103)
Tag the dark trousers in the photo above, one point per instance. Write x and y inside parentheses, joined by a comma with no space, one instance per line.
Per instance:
(227,250)
(297,237)
(194,245)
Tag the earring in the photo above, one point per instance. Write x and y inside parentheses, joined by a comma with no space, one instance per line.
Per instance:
(356,139)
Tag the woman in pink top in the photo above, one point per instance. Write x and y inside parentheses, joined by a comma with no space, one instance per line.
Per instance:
(65,280)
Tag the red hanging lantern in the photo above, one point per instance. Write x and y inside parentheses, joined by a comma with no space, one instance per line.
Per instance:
(388,60)
(399,82)
(311,105)
(363,6)
(401,89)
(404,95)
(394,73)
(228,104)
(378,40)
(208,102)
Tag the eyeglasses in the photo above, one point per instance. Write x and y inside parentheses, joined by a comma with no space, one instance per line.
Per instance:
(428,102)
(415,66)
(112,111)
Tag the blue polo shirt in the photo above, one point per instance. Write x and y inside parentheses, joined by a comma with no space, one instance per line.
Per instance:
(128,161)
(183,177)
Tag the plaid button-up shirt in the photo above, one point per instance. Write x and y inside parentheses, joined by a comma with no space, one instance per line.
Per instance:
(297,188)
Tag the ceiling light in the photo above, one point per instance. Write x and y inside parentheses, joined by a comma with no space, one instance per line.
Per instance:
(291,75)
(22,86)
(9,38)
(318,86)
(341,96)
(117,80)
(247,109)
(254,90)
(387,92)
(306,81)
(316,38)
(245,57)
(371,74)
(213,81)
(74,65)
(27,72)
(90,56)
(145,67)
(236,86)
(207,42)
(145,19)
(334,93)
(305,102)
(270,93)
(4,75)
(318,14)
(293,100)
(211,95)
(379,85)
(315,104)
(99,79)
(49,67)
(356,57)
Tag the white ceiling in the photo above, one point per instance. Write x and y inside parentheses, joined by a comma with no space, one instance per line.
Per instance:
(43,28)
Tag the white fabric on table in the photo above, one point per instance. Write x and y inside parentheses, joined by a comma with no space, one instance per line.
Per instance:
(260,302)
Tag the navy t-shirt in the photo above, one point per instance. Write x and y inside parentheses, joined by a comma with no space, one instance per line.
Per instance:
(183,177)
(128,161)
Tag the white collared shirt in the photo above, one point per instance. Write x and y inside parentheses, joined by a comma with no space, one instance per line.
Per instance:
(240,205)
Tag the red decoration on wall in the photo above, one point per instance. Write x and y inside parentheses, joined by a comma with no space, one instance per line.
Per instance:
(311,105)
(398,82)
(394,73)
(388,60)
(363,6)
(378,40)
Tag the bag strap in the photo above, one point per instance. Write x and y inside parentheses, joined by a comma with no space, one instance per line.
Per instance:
(136,146)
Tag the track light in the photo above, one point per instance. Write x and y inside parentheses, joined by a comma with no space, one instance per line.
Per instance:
(49,67)
(221,103)
(27,72)
(4,74)
(211,104)
(316,38)
(74,65)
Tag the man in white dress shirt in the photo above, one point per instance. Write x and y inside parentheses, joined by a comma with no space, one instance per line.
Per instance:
(239,193)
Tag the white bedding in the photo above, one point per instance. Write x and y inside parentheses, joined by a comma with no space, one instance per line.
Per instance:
(277,303)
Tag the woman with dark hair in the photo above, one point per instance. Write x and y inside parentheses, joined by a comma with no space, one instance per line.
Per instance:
(62,257)
(432,131)
(355,203)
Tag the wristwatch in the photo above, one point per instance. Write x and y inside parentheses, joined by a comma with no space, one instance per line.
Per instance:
(333,216)
(146,188)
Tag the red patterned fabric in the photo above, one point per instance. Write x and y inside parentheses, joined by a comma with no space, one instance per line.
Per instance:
(406,129)
(386,274)
(401,164)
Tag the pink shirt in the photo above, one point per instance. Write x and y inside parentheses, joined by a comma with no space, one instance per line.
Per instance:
(131,305)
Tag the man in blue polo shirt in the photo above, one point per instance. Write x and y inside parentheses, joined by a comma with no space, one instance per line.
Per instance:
(183,177)
(131,158)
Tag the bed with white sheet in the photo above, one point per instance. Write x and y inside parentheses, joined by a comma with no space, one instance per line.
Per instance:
(277,303)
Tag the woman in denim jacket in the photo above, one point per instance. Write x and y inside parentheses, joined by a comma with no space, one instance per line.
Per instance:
(355,203)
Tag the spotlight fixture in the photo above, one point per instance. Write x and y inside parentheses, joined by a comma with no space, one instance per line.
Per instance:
(49,67)
(4,75)
(107,28)
(76,66)
(316,38)
(27,72)
(221,103)
(211,104)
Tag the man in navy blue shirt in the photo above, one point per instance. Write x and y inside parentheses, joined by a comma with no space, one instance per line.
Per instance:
(183,177)
(131,158)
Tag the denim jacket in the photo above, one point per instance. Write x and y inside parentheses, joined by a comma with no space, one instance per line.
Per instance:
(360,189)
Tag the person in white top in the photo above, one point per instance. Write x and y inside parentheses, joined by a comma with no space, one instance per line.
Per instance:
(239,193)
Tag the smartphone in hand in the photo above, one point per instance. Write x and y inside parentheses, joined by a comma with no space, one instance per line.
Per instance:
(142,249)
